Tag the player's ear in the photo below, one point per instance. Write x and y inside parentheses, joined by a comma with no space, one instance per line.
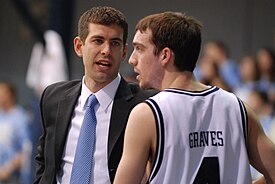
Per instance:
(78,46)
(166,55)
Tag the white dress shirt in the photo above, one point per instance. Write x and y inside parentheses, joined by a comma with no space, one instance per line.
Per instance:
(103,110)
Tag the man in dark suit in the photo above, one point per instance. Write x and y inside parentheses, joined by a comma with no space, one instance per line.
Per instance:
(102,45)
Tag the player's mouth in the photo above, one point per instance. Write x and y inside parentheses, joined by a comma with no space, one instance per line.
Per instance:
(137,75)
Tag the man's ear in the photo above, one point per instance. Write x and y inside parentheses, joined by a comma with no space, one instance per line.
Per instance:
(124,52)
(78,46)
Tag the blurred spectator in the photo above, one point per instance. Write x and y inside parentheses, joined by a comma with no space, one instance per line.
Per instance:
(266,62)
(14,141)
(249,73)
(218,52)
(48,64)
(260,103)
(210,74)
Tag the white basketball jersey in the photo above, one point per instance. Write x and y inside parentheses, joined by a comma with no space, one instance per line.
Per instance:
(201,138)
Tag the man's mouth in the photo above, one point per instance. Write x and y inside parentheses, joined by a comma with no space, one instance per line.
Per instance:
(103,63)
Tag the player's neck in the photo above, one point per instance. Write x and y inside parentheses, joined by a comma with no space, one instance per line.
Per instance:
(182,80)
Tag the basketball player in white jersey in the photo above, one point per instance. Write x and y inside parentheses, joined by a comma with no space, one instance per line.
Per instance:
(189,132)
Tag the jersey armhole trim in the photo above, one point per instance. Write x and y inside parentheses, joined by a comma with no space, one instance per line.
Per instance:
(160,137)
(244,119)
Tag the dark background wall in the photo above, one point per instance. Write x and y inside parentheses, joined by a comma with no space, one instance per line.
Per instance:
(245,25)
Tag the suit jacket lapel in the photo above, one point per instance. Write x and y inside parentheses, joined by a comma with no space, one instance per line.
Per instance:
(118,120)
(63,119)
(119,117)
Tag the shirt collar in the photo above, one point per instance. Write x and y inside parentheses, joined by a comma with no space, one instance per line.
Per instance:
(104,96)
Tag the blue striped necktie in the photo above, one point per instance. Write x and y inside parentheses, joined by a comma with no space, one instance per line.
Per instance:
(83,160)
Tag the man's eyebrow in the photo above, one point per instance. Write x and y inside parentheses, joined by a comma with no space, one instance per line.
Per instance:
(97,36)
(113,39)
(138,44)
(117,39)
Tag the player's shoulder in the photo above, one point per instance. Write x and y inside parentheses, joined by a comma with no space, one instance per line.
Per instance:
(142,108)
(227,98)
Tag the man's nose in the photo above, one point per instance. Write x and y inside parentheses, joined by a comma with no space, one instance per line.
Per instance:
(106,49)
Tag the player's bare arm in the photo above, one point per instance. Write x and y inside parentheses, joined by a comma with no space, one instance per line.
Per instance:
(260,148)
(261,180)
(140,131)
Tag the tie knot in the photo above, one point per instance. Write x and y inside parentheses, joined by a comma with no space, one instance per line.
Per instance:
(92,101)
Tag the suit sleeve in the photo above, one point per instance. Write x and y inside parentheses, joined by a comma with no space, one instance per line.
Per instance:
(39,159)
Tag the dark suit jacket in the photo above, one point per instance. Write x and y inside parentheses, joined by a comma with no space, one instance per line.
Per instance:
(57,105)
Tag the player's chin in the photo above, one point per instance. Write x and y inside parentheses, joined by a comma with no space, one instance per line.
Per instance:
(144,85)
